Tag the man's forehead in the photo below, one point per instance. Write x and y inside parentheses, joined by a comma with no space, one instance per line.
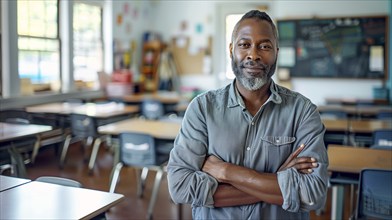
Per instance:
(249,26)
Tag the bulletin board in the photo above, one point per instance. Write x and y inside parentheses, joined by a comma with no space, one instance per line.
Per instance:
(189,63)
(341,47)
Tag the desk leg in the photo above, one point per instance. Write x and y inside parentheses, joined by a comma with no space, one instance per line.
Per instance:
(115,145)
(337,202)
(17,160)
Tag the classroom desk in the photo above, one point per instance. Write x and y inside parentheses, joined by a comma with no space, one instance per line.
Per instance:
(7,182)
(105,110)
(350,128)
(356,126)
(368,126)
(38,200)
(158,129)
(356,111)
(163,130)
(104,113)
(336,125)
(348,159)
(10,132)
(355,101)
(53,108)
(164,97)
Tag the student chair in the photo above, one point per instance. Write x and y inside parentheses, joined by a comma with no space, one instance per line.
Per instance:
(382,137)
(83,128)
(381,147)
(142,151)
(374,194)
(384,115)
(59,181)
(29,147)
(152,109)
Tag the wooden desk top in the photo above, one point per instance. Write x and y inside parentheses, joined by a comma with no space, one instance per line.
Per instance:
(369,126)
(158,129)
(10,132)
(104,110)
(164,97)
(356,110)
(55,108)
(356,126)
(337,125)
(354,159)
(38,200)
(7,182)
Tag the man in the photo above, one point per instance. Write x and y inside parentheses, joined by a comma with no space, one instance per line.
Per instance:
(251,150)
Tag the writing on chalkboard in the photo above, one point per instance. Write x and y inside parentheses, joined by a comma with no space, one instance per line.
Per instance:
(349,47)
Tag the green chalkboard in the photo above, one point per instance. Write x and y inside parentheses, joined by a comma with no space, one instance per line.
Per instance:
(347,47)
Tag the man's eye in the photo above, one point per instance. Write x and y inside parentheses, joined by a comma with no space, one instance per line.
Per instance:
(243,45)
(265,47)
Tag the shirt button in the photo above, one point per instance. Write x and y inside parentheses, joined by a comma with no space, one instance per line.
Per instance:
(253,123)
(248,148)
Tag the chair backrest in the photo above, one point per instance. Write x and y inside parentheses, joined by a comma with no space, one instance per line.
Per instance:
(333,114)
(152,109)
(59,181)
(17,121)
(384,115)
(138,149)
(74,101)
(375,194)
(14,113)
(83,126)
(381,147)
(382,137)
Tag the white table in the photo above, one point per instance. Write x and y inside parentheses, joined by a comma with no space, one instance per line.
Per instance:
(38,200)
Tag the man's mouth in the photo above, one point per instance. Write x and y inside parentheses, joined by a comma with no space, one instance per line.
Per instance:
(254,70)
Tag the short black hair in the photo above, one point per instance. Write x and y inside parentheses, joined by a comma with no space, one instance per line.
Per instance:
(259,15)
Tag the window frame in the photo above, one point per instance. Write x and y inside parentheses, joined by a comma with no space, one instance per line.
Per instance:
(39,51)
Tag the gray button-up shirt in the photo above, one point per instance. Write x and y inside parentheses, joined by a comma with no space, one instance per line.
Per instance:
(217,122)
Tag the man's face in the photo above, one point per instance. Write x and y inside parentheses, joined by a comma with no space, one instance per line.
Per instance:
(253,53)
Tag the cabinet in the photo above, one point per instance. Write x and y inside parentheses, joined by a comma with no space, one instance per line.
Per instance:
(151,55)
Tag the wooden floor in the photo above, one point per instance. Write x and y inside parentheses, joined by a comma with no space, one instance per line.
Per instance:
(132,207)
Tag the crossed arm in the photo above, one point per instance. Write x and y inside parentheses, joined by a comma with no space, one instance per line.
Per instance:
(240,185)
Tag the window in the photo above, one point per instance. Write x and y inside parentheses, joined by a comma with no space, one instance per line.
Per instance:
(38,43)
(88,44)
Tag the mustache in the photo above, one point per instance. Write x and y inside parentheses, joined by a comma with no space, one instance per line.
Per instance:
(253,64)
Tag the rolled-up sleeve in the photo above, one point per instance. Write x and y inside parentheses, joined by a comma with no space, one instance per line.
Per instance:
(305,192)
(187,183)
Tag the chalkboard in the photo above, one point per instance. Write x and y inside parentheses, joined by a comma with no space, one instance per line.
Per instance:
(347,47)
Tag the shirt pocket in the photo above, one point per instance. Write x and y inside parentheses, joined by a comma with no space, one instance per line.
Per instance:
(276,150)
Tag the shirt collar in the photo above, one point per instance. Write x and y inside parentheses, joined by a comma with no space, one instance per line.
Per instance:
(235,98)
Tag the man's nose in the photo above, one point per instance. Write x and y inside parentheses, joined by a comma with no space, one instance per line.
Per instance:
(253,54)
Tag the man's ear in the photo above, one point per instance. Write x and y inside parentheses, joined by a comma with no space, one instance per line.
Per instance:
(231,50)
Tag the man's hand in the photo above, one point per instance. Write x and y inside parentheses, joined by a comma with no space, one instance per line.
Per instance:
(302,164)
(213,166)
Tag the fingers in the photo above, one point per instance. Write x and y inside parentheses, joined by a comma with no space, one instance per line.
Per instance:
(299,150)
(305,164)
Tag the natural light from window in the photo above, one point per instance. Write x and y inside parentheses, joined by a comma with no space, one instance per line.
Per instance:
(38,44)
(88,44)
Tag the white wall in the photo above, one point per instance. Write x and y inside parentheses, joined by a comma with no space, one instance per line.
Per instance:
(167,15)
(135,20)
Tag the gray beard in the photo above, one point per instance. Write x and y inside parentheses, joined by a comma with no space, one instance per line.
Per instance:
(256,83)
